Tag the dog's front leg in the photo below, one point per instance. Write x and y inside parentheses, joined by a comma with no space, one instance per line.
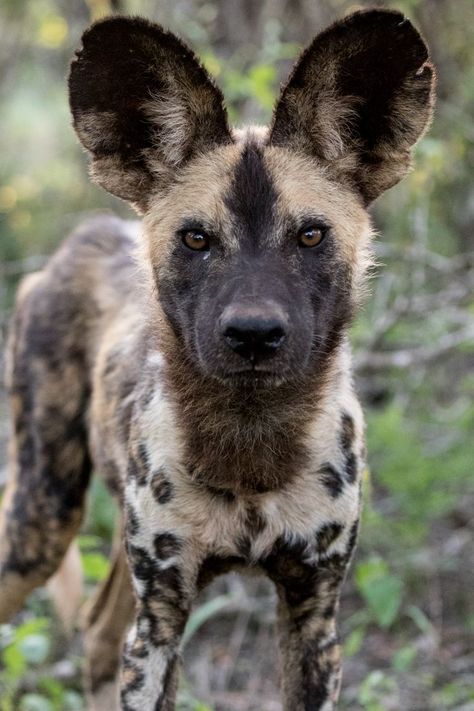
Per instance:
(309,586)
(164,582)
(311,667)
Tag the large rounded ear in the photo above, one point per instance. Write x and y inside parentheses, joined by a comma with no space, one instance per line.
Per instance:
(358,99)
(143,105)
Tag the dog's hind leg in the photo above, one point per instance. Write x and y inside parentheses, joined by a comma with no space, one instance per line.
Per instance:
(107,618)
(66,588)
(49,464)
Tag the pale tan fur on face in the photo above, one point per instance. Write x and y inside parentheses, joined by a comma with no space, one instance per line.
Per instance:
(255,134)
(197,193)
(305,186)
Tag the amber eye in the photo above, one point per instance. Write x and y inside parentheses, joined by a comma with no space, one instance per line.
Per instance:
(311,236)
(195,240)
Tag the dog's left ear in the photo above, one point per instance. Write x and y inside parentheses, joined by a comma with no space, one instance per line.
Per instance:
(358,99)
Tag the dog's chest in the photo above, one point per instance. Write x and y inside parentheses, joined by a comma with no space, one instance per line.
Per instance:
(164,498)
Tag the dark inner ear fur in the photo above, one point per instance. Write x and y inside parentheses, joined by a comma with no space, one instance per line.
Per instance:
(358,99)
(142,104)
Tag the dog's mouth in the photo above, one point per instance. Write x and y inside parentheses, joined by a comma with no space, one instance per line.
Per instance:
(255,378)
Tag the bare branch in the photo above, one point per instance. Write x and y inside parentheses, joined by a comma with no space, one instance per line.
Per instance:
(408,357)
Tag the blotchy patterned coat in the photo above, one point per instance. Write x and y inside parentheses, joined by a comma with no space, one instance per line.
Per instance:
(144,351)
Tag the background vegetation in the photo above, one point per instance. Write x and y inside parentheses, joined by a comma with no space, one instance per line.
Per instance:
(408,613)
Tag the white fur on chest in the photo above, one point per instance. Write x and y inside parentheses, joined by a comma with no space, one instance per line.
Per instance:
(214,523)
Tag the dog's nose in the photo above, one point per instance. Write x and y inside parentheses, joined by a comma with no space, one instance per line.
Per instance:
(254,334)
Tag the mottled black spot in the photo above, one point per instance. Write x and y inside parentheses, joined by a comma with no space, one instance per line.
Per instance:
(124,417)
(166,545)
(327,535)
(332,480)
(352,539)
(137,676)
(351,467)
(165,629)
(244,546)
(132,525)
(143,465)
(346,438)
(255,522)
(170,582)
(143,565)
(162,489)
(287,565)
(314,678)
(132,469)
(164,605)
(347,432)
(213,566)
(224,495)
(139,649)
(330,610)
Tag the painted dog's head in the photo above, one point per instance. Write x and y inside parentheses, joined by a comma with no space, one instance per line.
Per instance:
(258,239)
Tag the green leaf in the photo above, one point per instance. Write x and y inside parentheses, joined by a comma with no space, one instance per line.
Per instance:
(102,510)
(35,648)
(87,542)
(14,661)
(369,570)
(95,565)
(374,690)
(73,701)
(204,613)
(54,690)
(187,701)
(403,658)
(381,590)
(354,641)
(262,78)
(36,625)
(35,702)
(384,597)
(420,620)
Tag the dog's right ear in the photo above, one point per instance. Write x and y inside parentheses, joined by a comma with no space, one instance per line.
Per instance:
(143,105)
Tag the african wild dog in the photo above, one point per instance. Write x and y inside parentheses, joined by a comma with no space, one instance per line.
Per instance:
(203,367)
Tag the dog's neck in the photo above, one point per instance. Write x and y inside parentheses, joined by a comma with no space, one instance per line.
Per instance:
(248,440)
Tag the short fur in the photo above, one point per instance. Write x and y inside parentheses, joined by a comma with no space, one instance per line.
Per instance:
(123,351)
